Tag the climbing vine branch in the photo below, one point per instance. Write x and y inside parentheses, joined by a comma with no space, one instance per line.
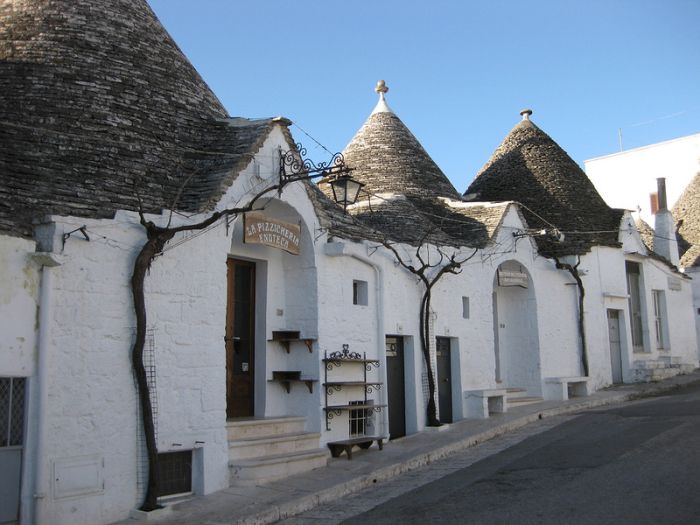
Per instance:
(429,274)
(573,270)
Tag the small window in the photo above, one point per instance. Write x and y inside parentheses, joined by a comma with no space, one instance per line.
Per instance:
(11,411)
(360,418)
(465,307)
(659,318)
(175,473)
(359,292)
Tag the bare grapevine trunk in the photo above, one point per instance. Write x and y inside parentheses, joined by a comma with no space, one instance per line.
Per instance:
(155,243)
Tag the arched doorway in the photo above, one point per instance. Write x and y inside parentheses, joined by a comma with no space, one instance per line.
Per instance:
(516,336)
(271,289)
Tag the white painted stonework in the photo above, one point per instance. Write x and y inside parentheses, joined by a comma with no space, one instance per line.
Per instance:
(20,279)
(89,419)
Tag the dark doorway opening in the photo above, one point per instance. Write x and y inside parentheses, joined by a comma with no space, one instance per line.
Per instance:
(396,386)
(444,378)
(240,338)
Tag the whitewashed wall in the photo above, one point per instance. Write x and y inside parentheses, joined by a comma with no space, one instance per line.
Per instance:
(20,278)
(92,413)
(694,274)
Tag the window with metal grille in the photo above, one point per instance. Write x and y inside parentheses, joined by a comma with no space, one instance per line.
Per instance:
(175,472)
(12,394)
(360,419)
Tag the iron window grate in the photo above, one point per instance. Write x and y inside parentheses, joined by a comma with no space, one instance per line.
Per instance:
(12,394)
(175,472)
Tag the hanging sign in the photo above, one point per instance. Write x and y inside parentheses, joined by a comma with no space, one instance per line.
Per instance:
(260,229)
(512,278)
(674,283)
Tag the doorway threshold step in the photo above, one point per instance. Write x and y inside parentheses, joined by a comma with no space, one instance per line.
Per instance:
(246,428)
(524,400)
(249,472)
(257,447)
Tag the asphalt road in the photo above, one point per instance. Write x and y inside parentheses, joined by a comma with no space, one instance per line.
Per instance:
(635,464)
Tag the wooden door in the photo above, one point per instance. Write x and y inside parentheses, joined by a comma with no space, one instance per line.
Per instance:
(444,377)
(240,339)
(395,387)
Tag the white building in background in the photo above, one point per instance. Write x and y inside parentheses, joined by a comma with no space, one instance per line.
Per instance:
(627,179)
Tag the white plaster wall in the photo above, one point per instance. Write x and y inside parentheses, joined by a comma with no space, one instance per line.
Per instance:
(694,274)
(343,323)
(92,409)
(626,179)
(186,299)
(91,400)
(20,279)
(606,288)
(92,404)
(679,315)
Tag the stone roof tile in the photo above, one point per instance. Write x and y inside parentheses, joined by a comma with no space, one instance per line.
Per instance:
(406,197)
(387,158)
(687,214)
(530,168)
(97,101)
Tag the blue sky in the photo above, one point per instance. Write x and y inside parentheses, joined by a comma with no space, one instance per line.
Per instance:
(458,72)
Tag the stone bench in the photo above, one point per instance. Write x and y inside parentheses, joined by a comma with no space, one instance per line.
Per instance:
(364,442)
(562,388)
(481,403)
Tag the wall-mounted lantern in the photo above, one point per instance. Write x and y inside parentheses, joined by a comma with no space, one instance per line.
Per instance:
(345,190)
(294,167)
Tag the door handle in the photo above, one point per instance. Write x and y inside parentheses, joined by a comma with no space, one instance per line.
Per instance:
(234,340)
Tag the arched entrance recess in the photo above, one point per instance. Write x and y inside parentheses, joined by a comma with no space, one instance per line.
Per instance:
(282,296)
(516,337)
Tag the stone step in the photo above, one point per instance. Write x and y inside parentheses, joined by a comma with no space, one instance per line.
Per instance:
(524,400)
(271,446)
(248,472)
(516,392)
(237,429)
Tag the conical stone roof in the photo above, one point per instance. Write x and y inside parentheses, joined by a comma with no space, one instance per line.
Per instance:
(387,158)
(97,102)
(406,197)
(532,169)
(687,214)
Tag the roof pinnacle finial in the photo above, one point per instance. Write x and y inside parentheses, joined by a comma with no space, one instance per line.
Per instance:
(526,114)
(381,106)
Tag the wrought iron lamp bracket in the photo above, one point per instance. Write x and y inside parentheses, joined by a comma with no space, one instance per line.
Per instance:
(295,167)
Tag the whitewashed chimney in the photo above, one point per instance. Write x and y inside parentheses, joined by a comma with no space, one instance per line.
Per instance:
(665,242)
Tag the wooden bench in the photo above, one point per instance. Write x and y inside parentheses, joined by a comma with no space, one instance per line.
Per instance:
(364,442)
(562,388)
(481,403)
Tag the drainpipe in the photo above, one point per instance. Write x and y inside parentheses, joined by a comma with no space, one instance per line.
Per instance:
(337,249)
(37,485)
